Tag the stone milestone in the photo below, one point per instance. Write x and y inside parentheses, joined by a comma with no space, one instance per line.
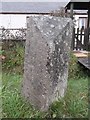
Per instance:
(46,59)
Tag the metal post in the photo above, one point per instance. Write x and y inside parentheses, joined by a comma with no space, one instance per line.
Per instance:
(71,16)
(71,9)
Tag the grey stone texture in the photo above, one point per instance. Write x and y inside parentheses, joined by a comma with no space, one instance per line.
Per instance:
(46,59)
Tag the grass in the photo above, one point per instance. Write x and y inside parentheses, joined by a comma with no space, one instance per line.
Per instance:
(74,104)
(75,101)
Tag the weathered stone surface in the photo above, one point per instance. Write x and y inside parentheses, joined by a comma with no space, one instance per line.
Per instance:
(46,59)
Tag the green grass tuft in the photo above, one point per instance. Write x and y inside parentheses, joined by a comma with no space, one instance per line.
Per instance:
(74,104)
